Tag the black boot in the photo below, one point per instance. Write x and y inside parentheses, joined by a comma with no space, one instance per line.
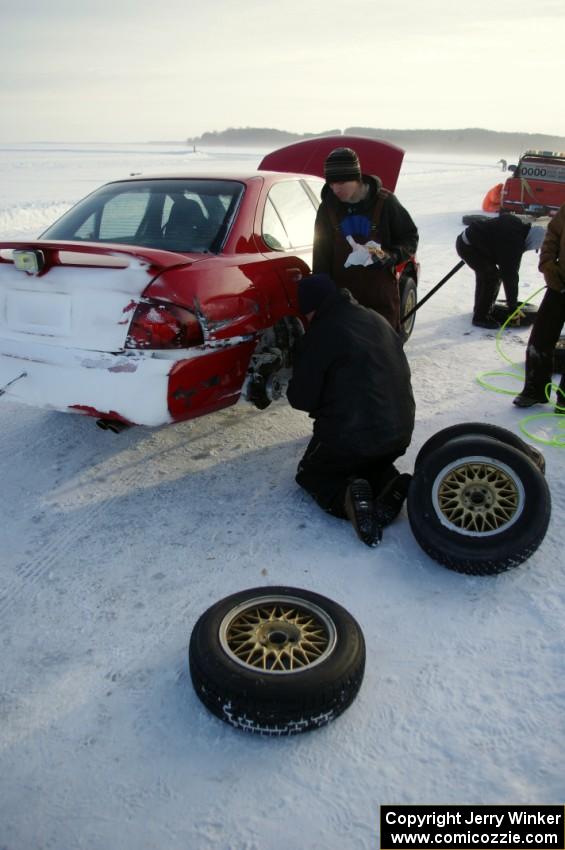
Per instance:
(360,510)
(388,503)
(538,376)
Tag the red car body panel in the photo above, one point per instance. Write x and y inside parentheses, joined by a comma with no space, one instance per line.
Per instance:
(308,157)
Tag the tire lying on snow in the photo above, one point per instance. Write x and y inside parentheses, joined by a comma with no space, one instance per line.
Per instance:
(483,429)
(478,506)
(500,312)
(276,660)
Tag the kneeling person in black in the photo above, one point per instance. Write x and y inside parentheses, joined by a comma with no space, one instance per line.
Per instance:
(351,375)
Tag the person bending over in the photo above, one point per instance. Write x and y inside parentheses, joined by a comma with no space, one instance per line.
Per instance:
(494,249)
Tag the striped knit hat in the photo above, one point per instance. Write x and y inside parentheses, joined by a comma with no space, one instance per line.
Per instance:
(341,165)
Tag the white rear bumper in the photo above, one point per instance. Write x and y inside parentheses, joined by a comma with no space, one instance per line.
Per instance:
(132,386)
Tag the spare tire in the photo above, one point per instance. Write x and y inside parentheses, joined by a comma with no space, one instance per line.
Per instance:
(471,217)
(276,660)
(483,429)
(500,312)
(478,506)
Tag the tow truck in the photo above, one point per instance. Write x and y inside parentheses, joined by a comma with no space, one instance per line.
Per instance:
(537,185)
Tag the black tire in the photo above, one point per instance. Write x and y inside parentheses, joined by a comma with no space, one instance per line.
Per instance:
(559,357)
(478,506)
(469,219)
(408,300)
(276,660)
(480,429)
(529,312)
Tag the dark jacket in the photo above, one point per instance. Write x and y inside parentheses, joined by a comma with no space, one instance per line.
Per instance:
(502,240)
(396,231)
(351,375)
(380,217)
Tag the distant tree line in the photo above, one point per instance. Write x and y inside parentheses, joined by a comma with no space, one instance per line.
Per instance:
(469,140)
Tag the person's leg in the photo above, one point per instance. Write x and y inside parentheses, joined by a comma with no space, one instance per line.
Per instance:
(389,486)
(487,282)
(539,353)
(332,480)
(325,476)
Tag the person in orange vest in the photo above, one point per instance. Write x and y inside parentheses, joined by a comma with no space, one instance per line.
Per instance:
(492,199)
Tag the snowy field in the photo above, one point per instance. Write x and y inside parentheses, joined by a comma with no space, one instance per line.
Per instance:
(113,545)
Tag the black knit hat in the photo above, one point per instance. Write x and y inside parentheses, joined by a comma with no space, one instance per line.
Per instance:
(313,291)
(342,164)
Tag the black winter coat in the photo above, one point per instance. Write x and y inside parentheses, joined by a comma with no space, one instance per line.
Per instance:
(396,232)
(502,241)
(392,227)
(352,376)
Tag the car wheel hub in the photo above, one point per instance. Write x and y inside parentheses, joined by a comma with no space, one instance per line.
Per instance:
(478,497)
(275,636)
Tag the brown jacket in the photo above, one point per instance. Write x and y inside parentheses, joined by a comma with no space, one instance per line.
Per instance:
(552,251)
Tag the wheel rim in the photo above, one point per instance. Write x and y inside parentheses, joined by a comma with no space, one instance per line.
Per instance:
(278,635)
(409,304)
(478,497)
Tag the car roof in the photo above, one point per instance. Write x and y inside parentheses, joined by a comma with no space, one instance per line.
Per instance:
(205,175)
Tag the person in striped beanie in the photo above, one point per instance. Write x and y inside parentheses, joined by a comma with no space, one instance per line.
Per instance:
(362,231)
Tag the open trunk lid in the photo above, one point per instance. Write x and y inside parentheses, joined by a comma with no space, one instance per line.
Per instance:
(308,157)
(75,295)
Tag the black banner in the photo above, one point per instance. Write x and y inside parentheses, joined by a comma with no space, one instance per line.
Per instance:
(472,827)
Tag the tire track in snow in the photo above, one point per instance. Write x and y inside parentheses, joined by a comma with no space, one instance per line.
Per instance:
(31,571)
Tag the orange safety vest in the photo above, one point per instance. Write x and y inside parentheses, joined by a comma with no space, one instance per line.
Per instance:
(492,199)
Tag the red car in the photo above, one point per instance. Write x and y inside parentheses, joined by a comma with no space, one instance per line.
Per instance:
(162,298)
(537,185)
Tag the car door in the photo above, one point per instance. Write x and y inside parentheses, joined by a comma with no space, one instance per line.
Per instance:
(287,229)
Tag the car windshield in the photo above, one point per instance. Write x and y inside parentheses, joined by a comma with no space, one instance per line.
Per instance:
(173,215)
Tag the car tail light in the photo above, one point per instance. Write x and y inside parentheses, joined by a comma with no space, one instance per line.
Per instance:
(156,324)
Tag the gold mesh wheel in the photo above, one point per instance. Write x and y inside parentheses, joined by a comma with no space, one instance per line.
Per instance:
(478,496)
(276,635)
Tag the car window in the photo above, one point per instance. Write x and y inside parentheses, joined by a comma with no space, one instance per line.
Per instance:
(273,231)
(315,187)
(122,215)
(296,211)
(175,215)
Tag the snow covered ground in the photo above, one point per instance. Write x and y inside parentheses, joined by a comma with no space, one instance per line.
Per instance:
(113,545)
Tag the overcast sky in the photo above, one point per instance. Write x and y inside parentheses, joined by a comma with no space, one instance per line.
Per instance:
(139,70)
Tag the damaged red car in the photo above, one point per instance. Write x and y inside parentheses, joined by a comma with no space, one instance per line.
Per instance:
(161,298)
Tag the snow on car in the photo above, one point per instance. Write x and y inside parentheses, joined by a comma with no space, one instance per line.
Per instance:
(157,299)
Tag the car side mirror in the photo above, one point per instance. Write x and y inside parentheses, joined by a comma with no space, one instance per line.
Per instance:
(512,168)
